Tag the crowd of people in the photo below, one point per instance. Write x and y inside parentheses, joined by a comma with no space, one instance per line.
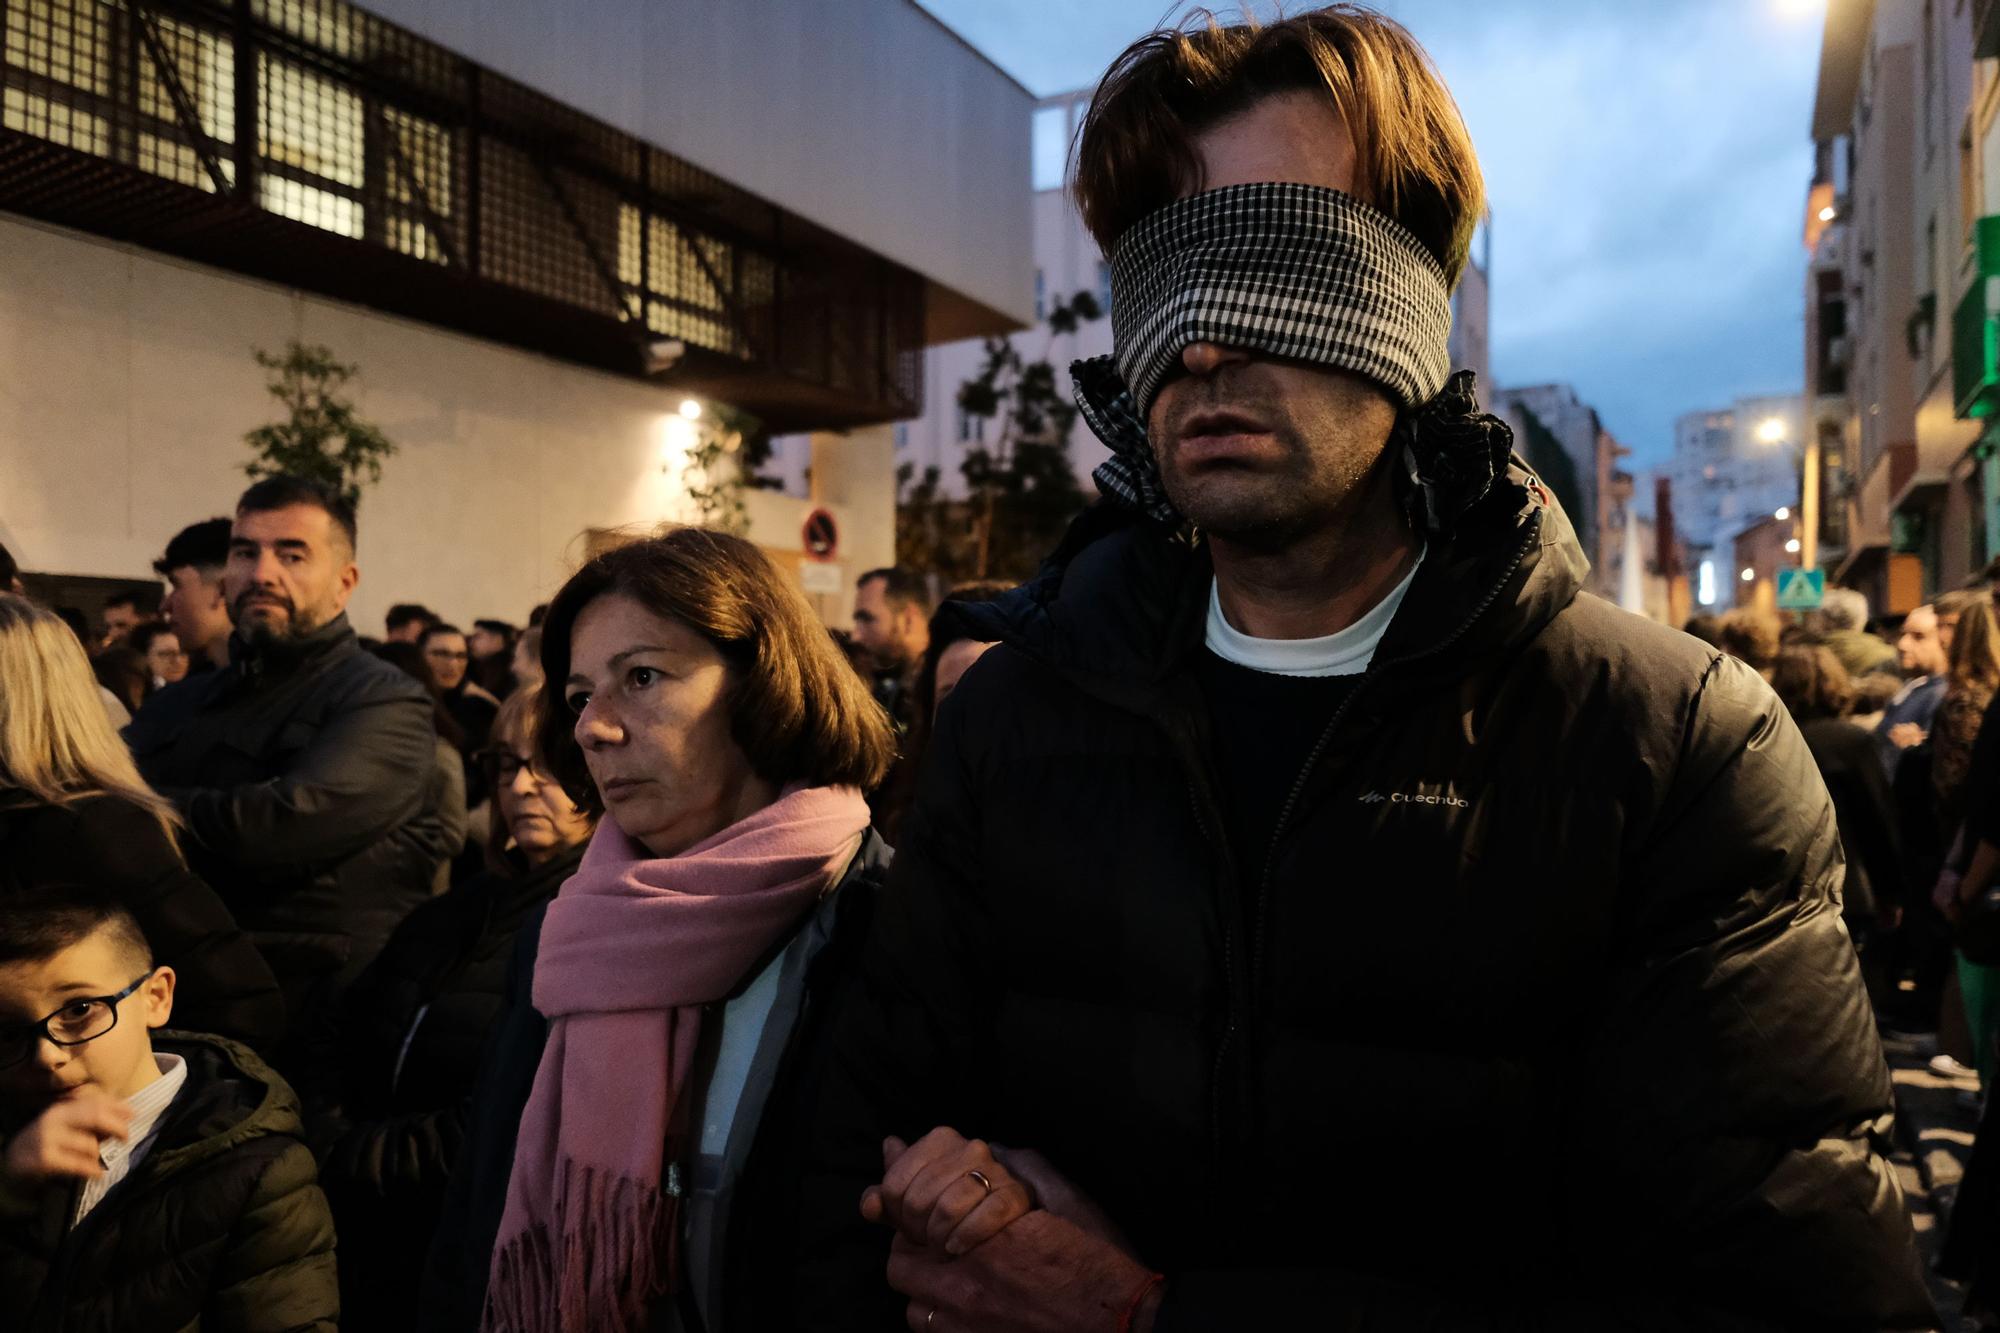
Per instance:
(1298,905)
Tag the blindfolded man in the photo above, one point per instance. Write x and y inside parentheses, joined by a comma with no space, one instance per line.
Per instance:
(1366,927)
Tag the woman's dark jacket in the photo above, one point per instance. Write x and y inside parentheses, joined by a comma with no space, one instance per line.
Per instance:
(759,1255)
(108,843)
(1541,1016)
(413,1029)
(1850,764)
(219,1228)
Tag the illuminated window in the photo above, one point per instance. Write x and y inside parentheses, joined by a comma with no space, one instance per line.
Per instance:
(65,50)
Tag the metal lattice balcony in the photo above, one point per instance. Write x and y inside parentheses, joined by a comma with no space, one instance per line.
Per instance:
(311,143)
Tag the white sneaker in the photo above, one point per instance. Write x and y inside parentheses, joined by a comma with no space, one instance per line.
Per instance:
(1946,1067)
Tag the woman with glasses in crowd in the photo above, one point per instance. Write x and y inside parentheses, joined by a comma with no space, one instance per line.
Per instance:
(73,809)
(416,1022)
(635,1159)
(160,648)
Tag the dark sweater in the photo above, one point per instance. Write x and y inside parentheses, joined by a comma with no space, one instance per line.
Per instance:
(413,1029)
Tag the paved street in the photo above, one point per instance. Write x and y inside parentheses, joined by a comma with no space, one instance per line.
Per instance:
(1934,1131)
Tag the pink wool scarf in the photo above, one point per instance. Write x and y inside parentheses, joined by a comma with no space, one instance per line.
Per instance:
(633,947)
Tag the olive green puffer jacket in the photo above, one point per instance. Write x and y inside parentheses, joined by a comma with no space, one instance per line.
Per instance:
(221,1227)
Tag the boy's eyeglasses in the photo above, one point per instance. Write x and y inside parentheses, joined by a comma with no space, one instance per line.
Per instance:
(83,1019)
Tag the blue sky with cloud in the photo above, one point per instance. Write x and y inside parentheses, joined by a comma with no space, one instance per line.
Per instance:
(1647,162)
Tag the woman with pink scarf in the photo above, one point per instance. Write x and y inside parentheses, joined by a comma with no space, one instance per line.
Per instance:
(632,1162)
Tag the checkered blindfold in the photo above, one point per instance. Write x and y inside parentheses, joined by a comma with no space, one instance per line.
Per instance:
(1298,272)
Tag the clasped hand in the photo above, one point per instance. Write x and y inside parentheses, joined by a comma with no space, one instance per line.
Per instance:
(995,1240)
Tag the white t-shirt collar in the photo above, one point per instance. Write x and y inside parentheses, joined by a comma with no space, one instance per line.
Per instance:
(1344,653)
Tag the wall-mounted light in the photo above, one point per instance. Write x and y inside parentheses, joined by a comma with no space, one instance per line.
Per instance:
(1748,575)
(1784,512)
(1828,214)
(1792,546)
(1771,429)
(691,409)
(678,438)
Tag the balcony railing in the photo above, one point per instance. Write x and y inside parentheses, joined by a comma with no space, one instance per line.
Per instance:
(1975,329)
(311,143)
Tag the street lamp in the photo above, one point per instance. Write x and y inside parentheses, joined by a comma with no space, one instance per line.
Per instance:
(1792,546)
(1784,512)
(1749,575)
(1771,430)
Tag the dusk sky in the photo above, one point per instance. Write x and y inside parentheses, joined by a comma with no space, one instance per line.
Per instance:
(1647,166)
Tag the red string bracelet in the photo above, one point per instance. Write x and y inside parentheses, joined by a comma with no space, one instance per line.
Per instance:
(1138,1299)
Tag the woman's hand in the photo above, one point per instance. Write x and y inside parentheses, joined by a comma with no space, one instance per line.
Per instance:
(945,1192)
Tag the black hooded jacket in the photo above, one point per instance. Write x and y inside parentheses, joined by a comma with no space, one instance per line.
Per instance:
(1539,1016)
(220,1229)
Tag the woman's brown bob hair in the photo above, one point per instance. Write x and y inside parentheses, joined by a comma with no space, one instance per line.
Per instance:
(797,709)
(1413,157)
(1812,683)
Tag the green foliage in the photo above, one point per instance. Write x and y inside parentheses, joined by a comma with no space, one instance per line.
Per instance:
(1021,490)
(321,437)
(730,445)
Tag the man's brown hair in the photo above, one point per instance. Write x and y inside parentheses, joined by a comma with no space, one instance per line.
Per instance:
(797,709)
(1414,159)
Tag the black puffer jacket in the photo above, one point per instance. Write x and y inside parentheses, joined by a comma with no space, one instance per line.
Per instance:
(220,1227)
(110,843)
(413,1029)
(1542,1017)
(305,775)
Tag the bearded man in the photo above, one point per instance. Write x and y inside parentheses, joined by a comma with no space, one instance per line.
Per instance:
(1345,920)
(306,768)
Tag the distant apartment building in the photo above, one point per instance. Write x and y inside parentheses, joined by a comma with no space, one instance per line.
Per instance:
(1902,232)
(1733,468)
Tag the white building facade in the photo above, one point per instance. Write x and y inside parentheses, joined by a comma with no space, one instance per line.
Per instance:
(535,236)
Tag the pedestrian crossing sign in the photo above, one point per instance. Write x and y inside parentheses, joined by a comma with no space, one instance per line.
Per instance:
(1801,589)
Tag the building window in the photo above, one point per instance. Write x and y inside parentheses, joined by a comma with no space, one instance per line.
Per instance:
(902,434)
(1041,295)
(372,134)
(1104,286)
(971,429)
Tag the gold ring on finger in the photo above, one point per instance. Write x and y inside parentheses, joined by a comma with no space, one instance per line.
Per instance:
(984,1183)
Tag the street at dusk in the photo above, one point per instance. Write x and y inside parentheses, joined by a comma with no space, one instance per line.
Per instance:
(999,666)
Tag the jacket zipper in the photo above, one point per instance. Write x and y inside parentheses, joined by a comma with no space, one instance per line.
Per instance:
(1230,910)
(1369,677)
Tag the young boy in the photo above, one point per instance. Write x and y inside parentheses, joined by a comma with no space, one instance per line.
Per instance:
(145,1183)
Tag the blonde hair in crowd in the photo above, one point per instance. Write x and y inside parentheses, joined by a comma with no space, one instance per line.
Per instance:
(56,743)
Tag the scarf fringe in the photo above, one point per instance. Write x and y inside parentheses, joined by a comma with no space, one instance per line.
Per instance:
(605,1273)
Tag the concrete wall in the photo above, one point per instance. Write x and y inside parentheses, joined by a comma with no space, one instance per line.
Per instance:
(127,383)
(867,116)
